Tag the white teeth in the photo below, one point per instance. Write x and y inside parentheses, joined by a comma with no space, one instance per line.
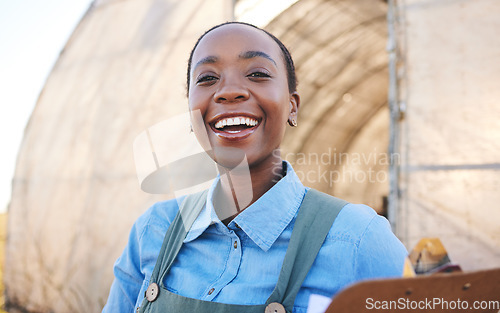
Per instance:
(235,121)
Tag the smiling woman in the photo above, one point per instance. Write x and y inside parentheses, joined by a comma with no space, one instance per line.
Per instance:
(216,254)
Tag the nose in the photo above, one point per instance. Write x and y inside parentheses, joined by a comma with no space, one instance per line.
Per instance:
(231,91)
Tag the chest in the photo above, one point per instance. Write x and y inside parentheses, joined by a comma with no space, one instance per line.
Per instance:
(229,267)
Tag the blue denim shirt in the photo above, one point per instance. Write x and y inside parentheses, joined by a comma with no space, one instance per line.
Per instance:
(240,263)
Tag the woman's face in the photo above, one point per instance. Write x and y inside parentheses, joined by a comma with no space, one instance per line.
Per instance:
(239,85)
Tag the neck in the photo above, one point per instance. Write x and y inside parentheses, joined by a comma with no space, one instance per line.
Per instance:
(238,190)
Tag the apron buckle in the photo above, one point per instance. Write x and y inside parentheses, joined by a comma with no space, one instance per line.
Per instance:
(152,292)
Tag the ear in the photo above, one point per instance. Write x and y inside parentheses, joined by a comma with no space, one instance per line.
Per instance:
(294,108)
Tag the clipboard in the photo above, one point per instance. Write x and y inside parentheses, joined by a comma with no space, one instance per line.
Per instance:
(480,288)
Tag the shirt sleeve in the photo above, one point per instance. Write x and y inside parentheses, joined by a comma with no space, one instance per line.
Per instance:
(128,276)
(380,253)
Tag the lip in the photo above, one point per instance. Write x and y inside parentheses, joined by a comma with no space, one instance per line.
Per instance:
(234,136)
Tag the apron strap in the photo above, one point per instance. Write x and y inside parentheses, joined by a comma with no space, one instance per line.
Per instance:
(314,220)
(188,212)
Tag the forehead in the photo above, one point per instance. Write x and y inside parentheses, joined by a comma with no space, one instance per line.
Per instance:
(232,39)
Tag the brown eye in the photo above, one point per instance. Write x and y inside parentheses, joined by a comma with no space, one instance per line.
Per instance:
(206,79)
(258,74)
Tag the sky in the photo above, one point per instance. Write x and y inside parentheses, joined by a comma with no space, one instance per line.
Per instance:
(32,34)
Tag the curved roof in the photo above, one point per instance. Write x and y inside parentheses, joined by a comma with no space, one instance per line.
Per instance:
(339,52)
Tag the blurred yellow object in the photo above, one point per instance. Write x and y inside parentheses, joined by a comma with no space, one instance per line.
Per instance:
(430,256)
(408,270)
(429,253)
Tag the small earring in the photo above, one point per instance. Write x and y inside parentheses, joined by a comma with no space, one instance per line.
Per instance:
(292,122)
(191,126)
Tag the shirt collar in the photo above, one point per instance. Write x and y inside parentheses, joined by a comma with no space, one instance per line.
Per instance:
(206,217)
(265,219)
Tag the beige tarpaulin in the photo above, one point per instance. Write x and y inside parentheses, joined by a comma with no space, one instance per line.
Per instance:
(450,132)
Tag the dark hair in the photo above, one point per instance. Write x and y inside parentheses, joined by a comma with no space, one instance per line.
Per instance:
(290,68)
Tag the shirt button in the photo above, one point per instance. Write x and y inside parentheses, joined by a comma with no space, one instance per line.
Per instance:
(275,307)
(235,245)
(211,291)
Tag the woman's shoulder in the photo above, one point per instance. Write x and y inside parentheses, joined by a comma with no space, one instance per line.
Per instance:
(376,251)
(357,217)
(353,222)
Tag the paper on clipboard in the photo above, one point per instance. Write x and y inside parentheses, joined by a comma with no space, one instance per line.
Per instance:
(318,304)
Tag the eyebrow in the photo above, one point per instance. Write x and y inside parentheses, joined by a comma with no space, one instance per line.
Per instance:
(245,55)
(207,60)
(254,54)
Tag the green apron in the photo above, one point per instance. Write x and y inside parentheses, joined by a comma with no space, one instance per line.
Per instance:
(315,218)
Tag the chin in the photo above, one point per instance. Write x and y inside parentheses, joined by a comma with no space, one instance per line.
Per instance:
(229,157)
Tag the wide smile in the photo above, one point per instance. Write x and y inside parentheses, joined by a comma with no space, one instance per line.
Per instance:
(234,127)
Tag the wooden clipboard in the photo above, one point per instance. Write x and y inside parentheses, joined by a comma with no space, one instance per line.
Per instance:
(422,294)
